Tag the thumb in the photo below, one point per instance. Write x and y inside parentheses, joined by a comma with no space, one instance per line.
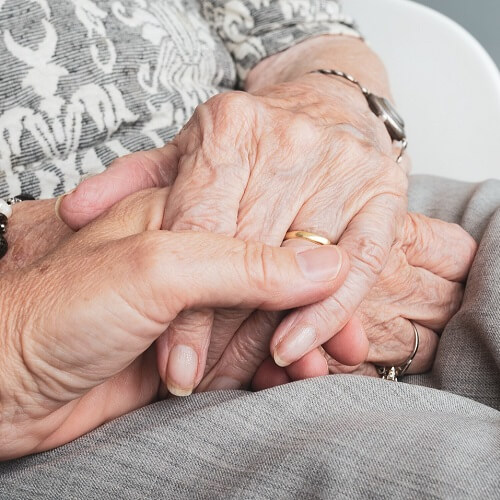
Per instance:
(127,175)
(209,270)
(191,270)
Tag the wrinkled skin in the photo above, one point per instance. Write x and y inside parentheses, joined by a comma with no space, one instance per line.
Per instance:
(403,290)
(79,324)
(423,281)
(307,154)
(82,261)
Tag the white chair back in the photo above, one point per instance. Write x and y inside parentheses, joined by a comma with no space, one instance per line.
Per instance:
(445,84)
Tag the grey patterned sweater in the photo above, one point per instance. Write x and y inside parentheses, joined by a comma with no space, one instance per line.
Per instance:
(83,82)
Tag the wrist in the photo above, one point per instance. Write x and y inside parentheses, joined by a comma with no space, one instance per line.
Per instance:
(348,54)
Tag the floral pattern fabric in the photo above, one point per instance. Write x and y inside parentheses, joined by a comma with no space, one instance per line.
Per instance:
(83,82)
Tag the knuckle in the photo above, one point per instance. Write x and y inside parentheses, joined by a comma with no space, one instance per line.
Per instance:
(268,322)
(456,297)
(442,302)
(230,101)
(231,111)
(349,141)
(207,224)
(433,292)
(371,256)
(249,352)
(225,136)
(303,128)
(227,318)
(258,266)
(211,213)
(418,234)
(381,170)
(467,246)
(190,324)
(333,314)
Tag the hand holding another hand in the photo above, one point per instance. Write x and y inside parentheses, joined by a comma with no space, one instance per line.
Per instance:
(307,154)
(81,321)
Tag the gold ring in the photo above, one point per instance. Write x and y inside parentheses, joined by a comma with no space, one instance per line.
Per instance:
(393,372)
(304,235)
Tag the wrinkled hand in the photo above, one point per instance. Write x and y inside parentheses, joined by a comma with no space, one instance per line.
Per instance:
(307,155)
(78,325)
(422,282)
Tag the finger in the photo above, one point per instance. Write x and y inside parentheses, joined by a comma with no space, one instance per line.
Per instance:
(313,264)
(350,346)
(442,248)
(192,330)
(254,224)
(367,240)
(214,169)
(127,175)
(139,212)
(189,332)
(226,323)
(243,354)
(269,375)
(394,345)
(429,299)
(426,354)
(312,365)
(205,197)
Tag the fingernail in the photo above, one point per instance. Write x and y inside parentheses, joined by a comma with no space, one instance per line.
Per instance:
(223,384)
(320,263)
(181,370)
(295,344)
(59,201)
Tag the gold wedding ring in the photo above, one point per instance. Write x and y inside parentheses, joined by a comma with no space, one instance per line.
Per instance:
(304,235)
(393,372)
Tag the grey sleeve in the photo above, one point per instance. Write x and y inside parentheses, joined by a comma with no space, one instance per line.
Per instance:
(255,29)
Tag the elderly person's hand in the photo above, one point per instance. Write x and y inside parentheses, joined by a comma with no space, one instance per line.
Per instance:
(305,154)
(78,324)
(422,282)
